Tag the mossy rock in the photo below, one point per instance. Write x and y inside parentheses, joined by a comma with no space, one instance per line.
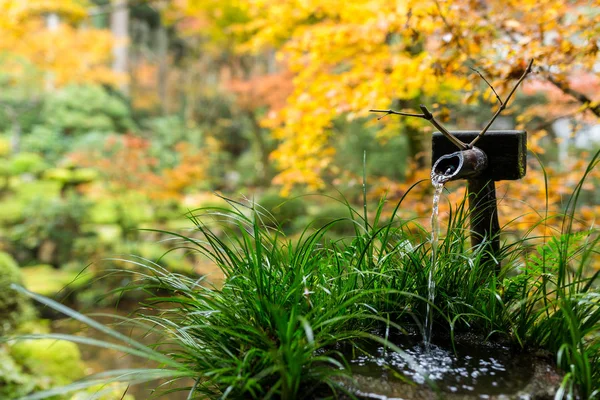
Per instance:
(29,191)
(48,281)
(15,308)
(52,362)
(73,176)
(5,146)
(104,212)
(23,163)
(14,383)
(11,211)
(84,175)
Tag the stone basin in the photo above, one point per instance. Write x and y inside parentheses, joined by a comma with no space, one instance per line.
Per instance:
(478,370)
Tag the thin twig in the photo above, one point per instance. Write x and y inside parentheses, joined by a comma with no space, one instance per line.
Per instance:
(503,104)
(562,86)
(388,112)
(427,115)
(488,83)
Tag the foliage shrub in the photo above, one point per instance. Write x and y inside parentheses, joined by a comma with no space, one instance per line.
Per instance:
(49,142)
(78,109)
(14,307)
(55,223)
(21,163)
(337,212)
(165,133)
(385,155)
(74,116)
(27,163)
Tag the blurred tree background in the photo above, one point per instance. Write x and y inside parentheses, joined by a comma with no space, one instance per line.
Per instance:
(124,114)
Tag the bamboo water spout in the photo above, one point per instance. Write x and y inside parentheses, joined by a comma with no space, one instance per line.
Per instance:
(500,155)
(463,164)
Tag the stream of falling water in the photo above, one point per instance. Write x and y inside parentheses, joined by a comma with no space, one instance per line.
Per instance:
(438,183)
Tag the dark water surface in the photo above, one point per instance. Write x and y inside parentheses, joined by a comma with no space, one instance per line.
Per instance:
(477,369)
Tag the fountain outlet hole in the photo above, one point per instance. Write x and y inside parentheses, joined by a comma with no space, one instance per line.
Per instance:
(463,164)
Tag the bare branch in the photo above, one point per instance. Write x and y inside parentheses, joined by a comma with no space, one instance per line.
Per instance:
(388,112)
(503,105)
(427,115)
(489,84)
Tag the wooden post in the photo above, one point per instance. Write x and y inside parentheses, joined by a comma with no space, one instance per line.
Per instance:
(506,154)
(483,211)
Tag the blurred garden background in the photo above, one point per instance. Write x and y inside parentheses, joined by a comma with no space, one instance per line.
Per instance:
(119,116)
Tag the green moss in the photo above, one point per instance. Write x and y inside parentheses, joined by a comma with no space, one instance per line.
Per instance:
(5,146)
(52,362)
(11,211)
(27,163)
(14,383)
(14,307)
(128,211)
(28,191)
(46,280)
(71,175)
(104,212)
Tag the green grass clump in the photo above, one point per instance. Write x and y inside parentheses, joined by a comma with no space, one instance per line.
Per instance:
(290,311)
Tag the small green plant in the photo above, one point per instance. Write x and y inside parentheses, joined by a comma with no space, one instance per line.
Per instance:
(291,312)
(51,228)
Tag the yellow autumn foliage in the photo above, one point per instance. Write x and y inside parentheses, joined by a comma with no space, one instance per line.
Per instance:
(66,54)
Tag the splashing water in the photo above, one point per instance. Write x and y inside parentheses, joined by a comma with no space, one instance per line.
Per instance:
(471,368)
(438,181)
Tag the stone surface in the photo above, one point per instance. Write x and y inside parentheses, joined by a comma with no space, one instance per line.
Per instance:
(542,386)
(478,369)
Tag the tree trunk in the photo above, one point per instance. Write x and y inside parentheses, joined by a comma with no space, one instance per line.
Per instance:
(264,150)
(416,144)
(52,24)
(162,48)
(119,26)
